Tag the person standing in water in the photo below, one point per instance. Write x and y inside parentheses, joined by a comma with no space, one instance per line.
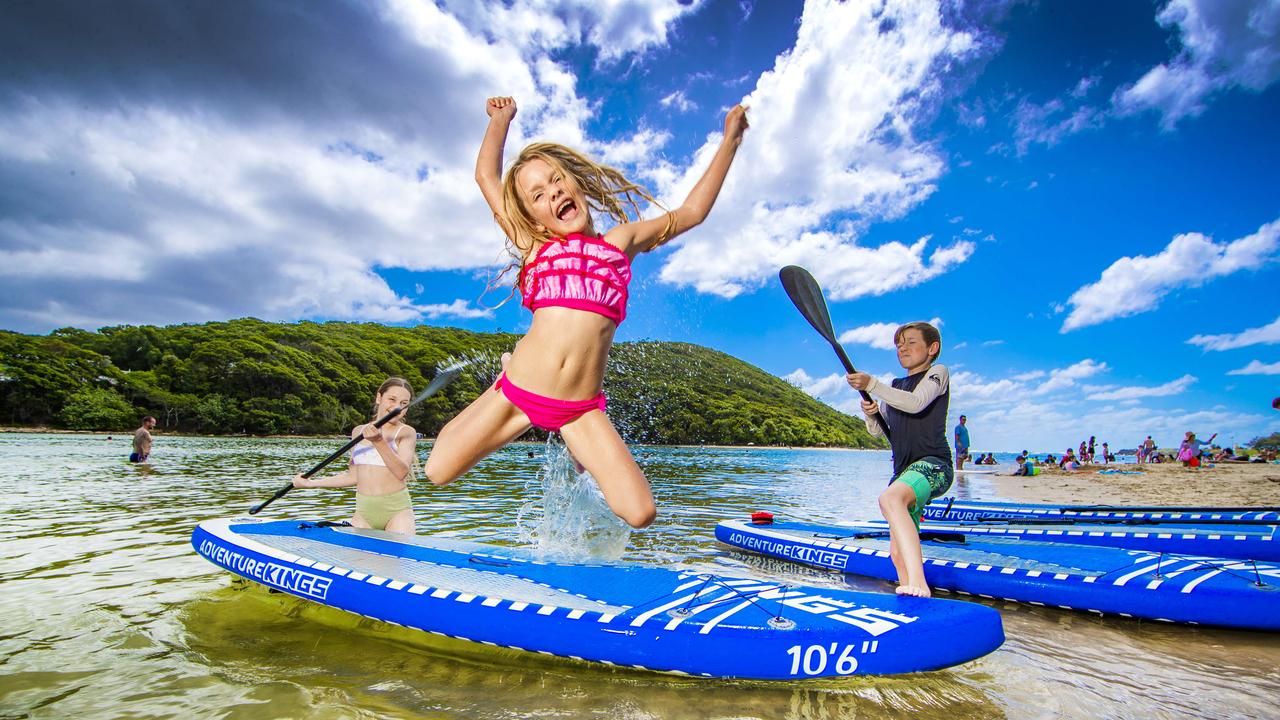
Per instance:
(962,443)
(381,465)
(575,281)
(142,441)
(915,409)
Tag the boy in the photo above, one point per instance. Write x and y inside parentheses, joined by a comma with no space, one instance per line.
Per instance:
(1025,467)
(915,409)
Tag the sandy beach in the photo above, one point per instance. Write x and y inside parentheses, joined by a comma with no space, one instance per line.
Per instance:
(1253,484)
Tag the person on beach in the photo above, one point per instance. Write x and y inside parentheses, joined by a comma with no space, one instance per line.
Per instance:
(575,281)
(914,408)
(1069,461)
(1190,449)
(962,443)
(381,465)
(1148,449)
(1025,466)
(142,441)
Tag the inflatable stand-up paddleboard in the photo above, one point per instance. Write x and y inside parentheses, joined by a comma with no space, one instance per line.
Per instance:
(1226,539)
(950,508)
(1133,583)
(622,614)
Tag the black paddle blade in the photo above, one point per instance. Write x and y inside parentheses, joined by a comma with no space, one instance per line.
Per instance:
(1276,403)
(807,297)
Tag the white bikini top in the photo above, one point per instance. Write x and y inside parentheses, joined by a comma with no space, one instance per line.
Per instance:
(365,453)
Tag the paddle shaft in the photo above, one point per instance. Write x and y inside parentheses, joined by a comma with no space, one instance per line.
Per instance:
(850,369)
(321,465)
(444,378)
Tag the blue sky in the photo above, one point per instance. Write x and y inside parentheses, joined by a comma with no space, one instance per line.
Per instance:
(1083,194)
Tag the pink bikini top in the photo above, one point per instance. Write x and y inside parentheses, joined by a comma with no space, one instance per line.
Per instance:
(579,272)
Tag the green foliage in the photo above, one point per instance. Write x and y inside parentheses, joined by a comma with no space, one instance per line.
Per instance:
(97,408)
(250,376)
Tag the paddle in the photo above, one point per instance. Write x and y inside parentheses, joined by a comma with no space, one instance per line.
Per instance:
(444,377)
(1276,403)
(807,297)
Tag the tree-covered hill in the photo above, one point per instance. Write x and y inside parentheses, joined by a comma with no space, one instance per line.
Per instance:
(250,376)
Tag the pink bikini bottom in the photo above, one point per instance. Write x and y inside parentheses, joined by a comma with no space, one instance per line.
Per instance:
(544,412)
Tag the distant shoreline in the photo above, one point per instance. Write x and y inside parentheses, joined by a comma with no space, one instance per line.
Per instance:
(163,434)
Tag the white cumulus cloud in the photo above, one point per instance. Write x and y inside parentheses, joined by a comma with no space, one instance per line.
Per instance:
(1172,387)
(457,309)
(274,185)
(832,149)
(1266,335)
(1257,367)
(1225,44)
(1133,285)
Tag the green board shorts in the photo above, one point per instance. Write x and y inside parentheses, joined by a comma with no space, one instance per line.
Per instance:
(928,478)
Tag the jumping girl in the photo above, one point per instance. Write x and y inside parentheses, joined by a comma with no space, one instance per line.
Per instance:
(380,465)
(575,281)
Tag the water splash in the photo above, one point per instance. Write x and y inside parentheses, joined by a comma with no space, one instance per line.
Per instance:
(481,364)
(569,516)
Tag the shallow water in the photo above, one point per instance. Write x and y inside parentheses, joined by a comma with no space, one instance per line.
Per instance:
(107,611)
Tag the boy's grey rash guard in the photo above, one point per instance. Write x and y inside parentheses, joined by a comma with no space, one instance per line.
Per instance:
(915,408)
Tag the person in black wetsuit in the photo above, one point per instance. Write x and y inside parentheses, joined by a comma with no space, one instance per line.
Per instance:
(915,410)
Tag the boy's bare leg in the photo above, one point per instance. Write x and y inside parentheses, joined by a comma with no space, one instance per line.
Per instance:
(896,556)
(894,505)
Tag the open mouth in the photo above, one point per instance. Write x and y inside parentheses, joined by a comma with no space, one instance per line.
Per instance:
(567,211)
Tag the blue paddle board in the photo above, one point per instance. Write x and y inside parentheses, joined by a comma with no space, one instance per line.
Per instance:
(950,508)
(1133,583)
(1230,540)
(622,614)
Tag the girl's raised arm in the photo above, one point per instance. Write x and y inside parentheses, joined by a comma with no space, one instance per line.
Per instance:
(489,161)
(645,235)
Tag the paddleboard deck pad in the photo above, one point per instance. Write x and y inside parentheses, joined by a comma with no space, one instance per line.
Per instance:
(950,508)
(623,614)
(1134,583)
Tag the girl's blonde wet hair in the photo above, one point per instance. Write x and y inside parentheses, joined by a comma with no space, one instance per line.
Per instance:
(928,332)
(607,190)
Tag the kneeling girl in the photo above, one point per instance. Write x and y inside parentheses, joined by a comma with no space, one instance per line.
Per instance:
(381,465)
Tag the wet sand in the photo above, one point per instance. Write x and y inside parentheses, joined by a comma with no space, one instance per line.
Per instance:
(1252,484)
